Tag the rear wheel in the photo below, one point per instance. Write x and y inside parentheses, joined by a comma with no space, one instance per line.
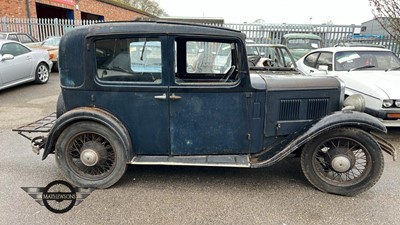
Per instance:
(343,161)
(42,73)
(90,155)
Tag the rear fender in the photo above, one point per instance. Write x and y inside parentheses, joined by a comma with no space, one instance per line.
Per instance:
(88,114)
(338,119)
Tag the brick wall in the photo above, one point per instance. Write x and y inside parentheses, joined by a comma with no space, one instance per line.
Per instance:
(13,8)
(109,11)
(17,9)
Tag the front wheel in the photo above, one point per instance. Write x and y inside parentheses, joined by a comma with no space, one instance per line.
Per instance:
(343,161)
(90,155)
(42,73)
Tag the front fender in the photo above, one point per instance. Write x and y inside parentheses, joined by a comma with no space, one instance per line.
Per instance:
(338,119)
(87,114)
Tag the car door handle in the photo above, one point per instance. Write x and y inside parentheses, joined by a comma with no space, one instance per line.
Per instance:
(164,97)
(174,97)
(161,97)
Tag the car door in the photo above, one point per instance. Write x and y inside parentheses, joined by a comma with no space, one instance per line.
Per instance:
(18,68)
(208,109)
(134,87)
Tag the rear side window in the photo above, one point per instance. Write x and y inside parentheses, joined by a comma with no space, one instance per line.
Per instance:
(129,60)
(23,38)
(325,59)
(12,37)
(311,59)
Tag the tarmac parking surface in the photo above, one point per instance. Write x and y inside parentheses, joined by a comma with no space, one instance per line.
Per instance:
(279,194)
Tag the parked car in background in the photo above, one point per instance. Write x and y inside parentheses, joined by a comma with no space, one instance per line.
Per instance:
(300,44)
(269,55)
(371,72)
(20,37)
(20,64)
(51,45)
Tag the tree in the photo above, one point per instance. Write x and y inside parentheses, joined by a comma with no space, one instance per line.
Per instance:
(149,6)
(387,12)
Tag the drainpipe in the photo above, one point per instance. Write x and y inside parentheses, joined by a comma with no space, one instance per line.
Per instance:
(28,11)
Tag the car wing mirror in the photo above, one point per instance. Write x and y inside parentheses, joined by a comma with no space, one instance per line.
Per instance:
(323,68)
(6,57)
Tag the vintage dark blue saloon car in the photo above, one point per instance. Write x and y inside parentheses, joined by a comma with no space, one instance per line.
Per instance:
(165,93)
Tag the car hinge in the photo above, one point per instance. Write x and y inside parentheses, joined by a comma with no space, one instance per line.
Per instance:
(249,136)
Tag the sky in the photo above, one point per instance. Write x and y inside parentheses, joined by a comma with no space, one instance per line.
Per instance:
(340,12)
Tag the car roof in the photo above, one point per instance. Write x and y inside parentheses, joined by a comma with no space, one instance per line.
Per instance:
(162,27)
(2,41)
(266,45)
(12,33)
(301,35)
(350,49)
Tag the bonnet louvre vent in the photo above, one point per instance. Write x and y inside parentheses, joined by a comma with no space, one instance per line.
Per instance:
(289,109)
(316,108)
(302,109)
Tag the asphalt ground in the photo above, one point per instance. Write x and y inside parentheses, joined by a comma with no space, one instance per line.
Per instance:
(279,194)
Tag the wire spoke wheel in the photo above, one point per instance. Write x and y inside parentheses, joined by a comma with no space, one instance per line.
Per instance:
(90,155)
(342,161)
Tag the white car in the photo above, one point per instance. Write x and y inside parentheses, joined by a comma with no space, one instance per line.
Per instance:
(20,64)
(372,72)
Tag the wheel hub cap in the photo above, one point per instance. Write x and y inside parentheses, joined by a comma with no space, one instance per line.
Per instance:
(89,157)
(341,163)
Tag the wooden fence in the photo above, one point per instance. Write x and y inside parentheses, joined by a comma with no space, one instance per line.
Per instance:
(260,33)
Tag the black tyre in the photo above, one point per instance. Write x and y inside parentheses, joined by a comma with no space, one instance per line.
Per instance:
(55,67)
(90,155)
(343,161)
(42,73)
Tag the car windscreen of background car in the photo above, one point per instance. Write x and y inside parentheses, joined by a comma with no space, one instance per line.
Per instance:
(366,60)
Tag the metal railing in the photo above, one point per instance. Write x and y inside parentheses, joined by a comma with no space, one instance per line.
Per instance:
(260,33)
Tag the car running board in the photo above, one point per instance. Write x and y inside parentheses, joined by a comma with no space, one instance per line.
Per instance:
(198,160)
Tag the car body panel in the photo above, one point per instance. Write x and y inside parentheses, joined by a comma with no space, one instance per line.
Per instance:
(375,84)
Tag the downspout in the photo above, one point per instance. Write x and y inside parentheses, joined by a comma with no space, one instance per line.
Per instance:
(28,12)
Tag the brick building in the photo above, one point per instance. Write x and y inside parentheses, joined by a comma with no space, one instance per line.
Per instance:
(70,9)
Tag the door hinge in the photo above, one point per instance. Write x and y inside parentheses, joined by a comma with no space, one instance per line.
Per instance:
(249,136)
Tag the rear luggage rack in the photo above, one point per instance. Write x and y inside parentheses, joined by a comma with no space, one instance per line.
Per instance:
(43,125)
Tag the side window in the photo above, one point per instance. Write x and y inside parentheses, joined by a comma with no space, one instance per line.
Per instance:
(24,38)
(325,59)
(129,60)
(12,37)
(311,59)
(207,61)
(13,49)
